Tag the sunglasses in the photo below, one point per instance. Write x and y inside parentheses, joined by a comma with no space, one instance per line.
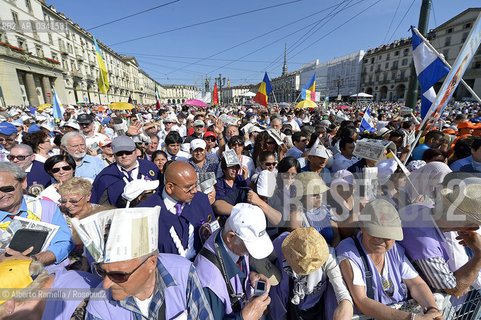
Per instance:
(70,201)
(303,140)
(11,157)
(64,168)
(237,144)
(116,276)
(7,189)
(123,153)
(142,143)
(270,164)
(210,139)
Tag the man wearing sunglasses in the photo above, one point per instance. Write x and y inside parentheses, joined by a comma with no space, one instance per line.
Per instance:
(37,178)
(92,137)
(300,141)
(14,204)
(184,211)
(141,283)
(110,183)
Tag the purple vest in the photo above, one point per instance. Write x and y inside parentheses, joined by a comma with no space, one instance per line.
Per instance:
(175,295)
(348,249)
(62,309)
(211,277)
(421,240)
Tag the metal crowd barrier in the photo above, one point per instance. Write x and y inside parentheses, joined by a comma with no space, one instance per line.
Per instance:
(466,308)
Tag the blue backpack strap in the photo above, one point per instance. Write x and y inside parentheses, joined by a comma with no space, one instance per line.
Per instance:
(367,271)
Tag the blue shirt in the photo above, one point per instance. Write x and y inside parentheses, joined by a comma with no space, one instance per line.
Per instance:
(62,243)
(294,153)
(419,151)
(223,189)
(90,167)
(456,165)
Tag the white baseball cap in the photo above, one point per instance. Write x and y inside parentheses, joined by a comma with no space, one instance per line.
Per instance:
(171,118)
(248,222)
(320,151)
(134,188)
(197,143)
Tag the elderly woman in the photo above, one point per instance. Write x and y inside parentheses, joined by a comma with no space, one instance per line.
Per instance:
(391,278)
(308,265)
(61,168)
(314,212)
(40,143)
(75,196)
(230,179)
(30,279)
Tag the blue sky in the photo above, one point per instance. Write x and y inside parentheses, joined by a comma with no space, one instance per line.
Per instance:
(311,29)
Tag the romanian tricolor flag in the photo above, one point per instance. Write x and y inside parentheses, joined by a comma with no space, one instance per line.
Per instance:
(264,90)
(103,79)
(309,90)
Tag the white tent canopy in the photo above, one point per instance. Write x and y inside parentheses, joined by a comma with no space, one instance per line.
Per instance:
(248,94)
(361,95)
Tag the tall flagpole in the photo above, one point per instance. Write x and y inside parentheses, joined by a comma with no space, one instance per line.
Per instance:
(275,99)
(441,57)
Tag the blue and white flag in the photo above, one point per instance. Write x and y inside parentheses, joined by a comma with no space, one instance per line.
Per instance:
(367,124)
(57,112)
(429,69)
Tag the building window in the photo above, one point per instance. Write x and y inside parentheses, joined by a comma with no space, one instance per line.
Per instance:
(467,26)
(406,52)
(450,30)
(372,60)
(396,53)
(372,68)
(447,42)
(28,5)
(21,43)
(477,65)
(388,56)
(404,62)
(54,56)
(50,39)
(394,64)
(386,66)
(15,19)
(465,36)
(39,51)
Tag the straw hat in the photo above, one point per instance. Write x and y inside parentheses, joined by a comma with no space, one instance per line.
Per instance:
(305,250)
(466,199)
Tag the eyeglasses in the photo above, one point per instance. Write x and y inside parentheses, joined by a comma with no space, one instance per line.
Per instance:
(142,143)
(64,168)
(116,276)
(210,139)
(270,164)
(237,144)
(46,141)
(189,190)
(7,189)
(11,157)
(303,140)
(71,201)
(123,153)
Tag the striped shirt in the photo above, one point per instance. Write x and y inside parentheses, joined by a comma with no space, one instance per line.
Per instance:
(436,273)
(197,306)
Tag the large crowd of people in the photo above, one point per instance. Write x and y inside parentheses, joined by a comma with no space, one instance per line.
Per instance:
(239,212)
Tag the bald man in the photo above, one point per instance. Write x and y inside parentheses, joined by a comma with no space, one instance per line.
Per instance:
(185,213)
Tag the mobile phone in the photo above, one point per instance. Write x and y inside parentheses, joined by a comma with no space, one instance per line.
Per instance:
(260,288)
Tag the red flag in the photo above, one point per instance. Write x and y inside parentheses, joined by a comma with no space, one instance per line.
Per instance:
(157,97)
(215,99)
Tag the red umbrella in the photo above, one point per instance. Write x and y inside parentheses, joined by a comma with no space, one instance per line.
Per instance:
(342,107)
(195,103)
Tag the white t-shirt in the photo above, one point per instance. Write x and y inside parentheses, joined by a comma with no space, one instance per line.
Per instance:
(144,305)
(407,271)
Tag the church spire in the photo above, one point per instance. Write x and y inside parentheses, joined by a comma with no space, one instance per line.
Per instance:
(284,68)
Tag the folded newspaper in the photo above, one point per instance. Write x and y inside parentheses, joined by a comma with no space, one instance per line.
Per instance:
(207,182)
(373,149)
(24,223)
(231,158)
(228,120)
(119,234)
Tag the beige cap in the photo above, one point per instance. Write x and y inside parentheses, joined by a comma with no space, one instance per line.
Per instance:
(384,221)
(306,250)
(311,183)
